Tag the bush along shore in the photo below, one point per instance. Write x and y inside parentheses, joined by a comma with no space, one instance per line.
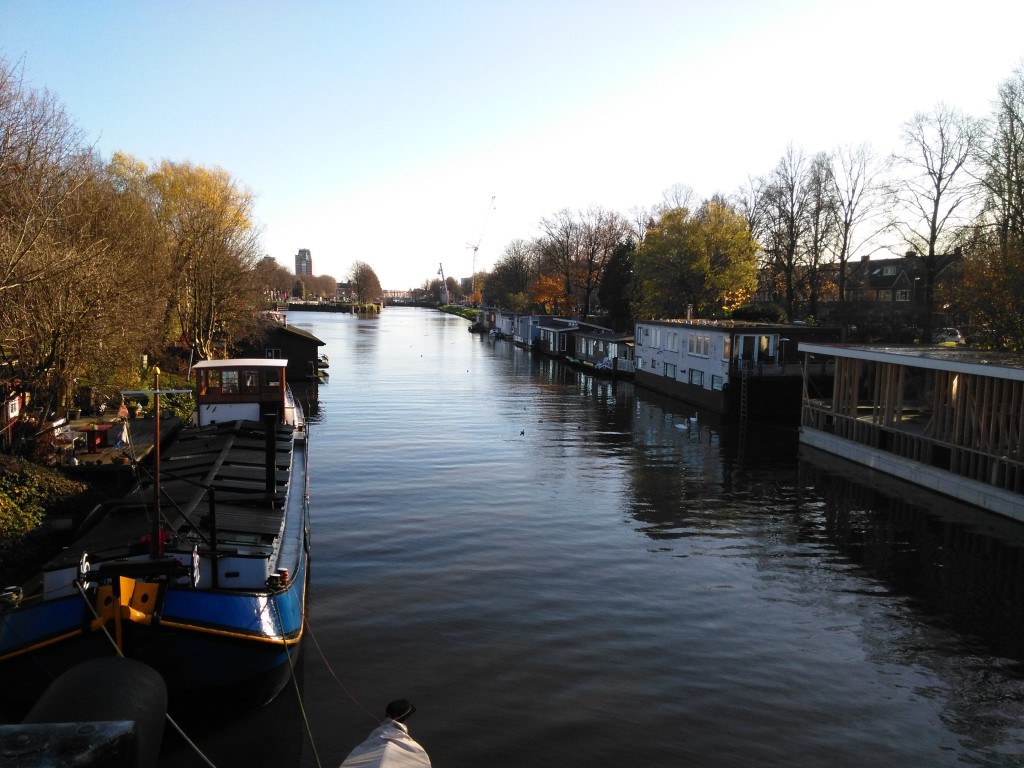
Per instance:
(38,509)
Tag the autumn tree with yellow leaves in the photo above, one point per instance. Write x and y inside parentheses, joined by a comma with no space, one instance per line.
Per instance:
(703,259)
(102,262)
(210,252)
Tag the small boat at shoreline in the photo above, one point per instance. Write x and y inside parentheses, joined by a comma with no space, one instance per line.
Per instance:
(390,745)
(200,571)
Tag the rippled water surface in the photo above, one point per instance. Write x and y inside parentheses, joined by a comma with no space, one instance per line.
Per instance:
(567,571)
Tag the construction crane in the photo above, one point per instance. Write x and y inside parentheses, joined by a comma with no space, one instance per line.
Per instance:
(444,285)
(476,247)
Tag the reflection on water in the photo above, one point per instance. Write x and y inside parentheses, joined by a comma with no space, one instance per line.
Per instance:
(960,568)
(564,570)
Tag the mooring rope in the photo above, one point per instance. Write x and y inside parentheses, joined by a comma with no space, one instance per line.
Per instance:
(327,664)
(295,683)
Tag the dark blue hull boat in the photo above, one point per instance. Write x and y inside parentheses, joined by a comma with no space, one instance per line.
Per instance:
(200,573)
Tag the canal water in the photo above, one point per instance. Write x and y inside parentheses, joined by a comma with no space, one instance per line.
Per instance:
(560,570)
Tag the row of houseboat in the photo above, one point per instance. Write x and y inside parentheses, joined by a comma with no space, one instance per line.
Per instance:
(947,418)
(729,367)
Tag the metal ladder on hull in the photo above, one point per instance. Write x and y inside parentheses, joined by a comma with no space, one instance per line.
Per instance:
(744,379)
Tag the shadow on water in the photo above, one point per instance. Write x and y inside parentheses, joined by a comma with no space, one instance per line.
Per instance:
(960,567)
(273,734)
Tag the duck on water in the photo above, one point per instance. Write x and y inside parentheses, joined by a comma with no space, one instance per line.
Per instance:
(199,572)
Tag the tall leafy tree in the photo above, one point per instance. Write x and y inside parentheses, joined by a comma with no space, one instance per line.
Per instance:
(275,280)
(704,259)
(74,235)
(601,231)
(509,281)
(559,248)
(365,284)
(668,269)
(212,249)
(731,255)
(574,249)
(615,292)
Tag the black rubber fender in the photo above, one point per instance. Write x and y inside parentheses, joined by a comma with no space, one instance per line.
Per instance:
(109,689)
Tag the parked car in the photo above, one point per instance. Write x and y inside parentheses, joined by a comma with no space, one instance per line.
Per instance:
(947,335)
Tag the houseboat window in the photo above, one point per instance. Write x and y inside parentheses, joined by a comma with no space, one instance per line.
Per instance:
(211,381)
(250,381)
(272,378)
(699,345)
(670,370)
(229,382)
(697,377)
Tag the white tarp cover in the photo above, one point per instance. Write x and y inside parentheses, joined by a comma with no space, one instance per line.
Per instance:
(388,746)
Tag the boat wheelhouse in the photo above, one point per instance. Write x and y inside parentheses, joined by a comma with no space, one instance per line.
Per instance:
(244,388)
(946,418)
(725,366)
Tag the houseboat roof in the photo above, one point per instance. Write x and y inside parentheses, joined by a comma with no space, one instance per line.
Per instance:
(735,325)
(243,362)
(558,323)
(1003,365)
(594,332)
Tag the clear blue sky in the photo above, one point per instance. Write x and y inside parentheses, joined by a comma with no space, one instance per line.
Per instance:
(380,130)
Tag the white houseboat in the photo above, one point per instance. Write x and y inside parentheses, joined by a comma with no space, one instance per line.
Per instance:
(948,419)
(728,367)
